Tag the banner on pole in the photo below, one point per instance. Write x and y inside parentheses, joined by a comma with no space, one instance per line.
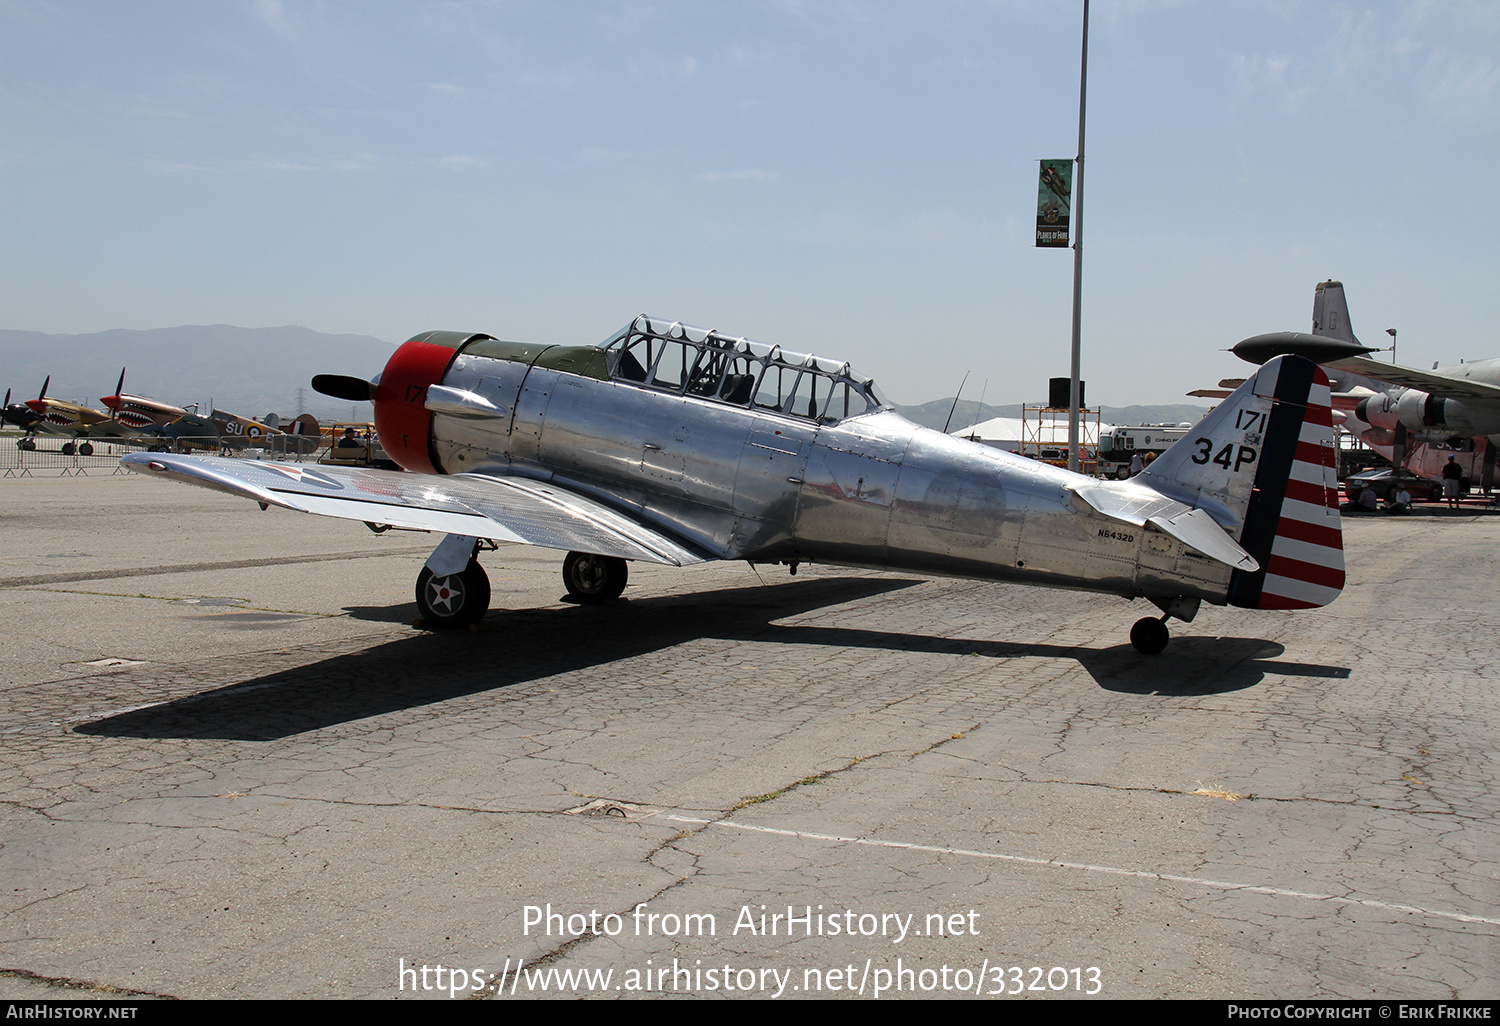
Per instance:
(1054,203)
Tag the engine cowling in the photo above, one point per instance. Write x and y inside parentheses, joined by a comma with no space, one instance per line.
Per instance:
(402,419)
(1421,413)
(1352,421)
(1378,411)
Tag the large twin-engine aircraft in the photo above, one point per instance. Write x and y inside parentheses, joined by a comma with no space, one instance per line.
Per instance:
(1393,406)
(676,445)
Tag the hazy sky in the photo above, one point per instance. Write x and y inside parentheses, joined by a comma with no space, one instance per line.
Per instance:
(857,179)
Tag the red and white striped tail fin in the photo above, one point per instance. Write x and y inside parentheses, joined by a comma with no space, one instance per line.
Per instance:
(1291,525)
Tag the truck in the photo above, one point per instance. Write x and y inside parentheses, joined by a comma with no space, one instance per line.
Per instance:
(1118,445)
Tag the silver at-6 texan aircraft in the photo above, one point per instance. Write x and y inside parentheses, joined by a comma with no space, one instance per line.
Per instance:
(676,445)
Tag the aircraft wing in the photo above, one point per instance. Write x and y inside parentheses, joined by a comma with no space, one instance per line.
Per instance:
(1351,399)
(1440,385)
(509,509)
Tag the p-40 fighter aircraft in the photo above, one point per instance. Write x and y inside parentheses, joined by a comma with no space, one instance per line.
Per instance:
(57,417)
(140,417)
(675,445)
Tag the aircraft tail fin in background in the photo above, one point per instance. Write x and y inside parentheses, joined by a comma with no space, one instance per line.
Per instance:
(1331,312)
(1262,464)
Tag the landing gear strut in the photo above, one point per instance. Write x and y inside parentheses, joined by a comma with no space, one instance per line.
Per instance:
(591,578)
(1149,635)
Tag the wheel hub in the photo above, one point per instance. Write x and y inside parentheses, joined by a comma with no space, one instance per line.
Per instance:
(445,594)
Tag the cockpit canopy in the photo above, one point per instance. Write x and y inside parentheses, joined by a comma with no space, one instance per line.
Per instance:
(679,358)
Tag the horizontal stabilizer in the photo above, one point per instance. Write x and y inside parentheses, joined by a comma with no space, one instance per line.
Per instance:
(1140,507)
(1196,528)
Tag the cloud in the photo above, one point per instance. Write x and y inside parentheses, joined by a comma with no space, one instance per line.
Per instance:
(1460,84)
(273,14)
(1261,78)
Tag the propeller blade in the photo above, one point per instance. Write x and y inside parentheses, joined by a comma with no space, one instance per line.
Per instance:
(114,411)
(43,393)
(343,386)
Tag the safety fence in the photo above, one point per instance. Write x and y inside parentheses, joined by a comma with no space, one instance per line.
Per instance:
(54,456)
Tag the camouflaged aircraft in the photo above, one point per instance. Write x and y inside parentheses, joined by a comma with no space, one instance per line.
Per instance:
(299,436)
(677,445)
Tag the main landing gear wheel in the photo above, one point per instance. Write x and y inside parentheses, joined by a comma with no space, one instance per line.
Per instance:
(1149,635)
(67,448)
(455,601)
(85,449)
(592,578)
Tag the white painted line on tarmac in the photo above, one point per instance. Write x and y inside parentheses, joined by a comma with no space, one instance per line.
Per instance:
(1220,885)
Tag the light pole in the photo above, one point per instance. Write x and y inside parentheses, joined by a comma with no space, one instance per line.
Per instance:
(1074,398)
(1392,332)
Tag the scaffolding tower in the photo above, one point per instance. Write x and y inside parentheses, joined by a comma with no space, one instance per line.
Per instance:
(1044,437)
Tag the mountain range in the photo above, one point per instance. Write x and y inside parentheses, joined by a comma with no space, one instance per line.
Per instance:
(249,371)
(255,371)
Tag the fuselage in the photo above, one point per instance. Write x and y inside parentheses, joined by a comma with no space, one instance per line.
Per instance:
(697,441)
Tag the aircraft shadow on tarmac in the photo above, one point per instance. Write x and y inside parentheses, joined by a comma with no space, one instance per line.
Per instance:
(526,645)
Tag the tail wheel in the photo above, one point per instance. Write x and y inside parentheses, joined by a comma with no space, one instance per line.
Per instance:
(591,578)
(1149,635)
(454,601)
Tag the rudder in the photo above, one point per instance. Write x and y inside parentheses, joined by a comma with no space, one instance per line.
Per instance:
(1292,526)
(1331,312)
(1263,465)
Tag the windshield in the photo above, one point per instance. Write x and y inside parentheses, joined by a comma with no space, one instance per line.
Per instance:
(678,357)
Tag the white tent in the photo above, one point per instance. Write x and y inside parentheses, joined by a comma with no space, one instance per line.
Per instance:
(1005,433)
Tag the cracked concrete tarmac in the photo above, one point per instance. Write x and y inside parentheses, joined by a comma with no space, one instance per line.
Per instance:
(231,768)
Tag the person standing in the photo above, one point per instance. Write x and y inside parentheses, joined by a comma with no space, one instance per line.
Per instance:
(1452,473)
